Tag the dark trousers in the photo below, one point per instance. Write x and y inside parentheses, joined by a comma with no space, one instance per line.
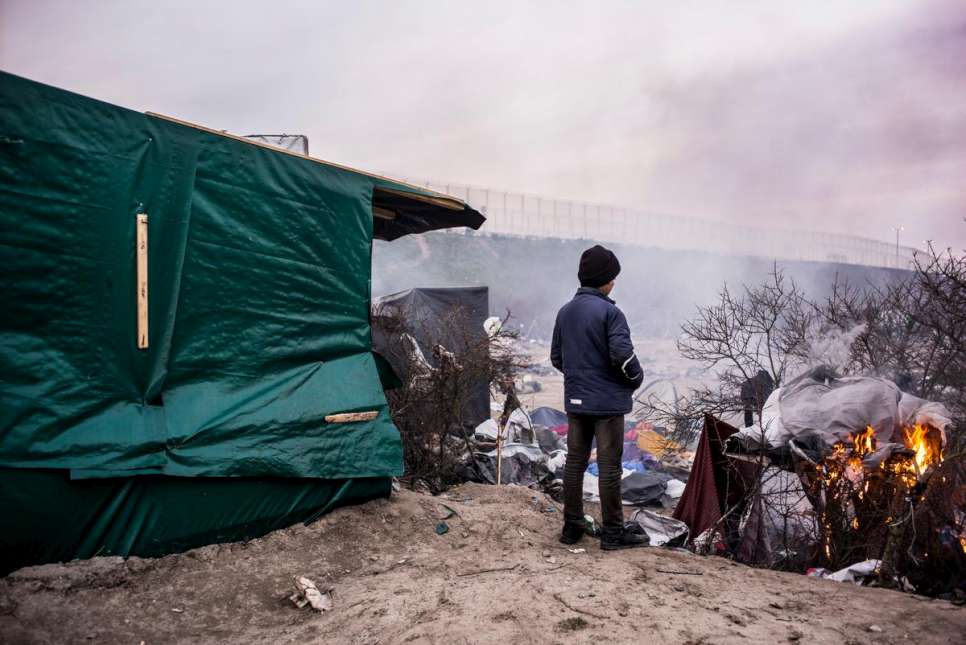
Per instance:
(609,432)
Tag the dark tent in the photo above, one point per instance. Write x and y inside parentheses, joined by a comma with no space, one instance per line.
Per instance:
(548,417)
(186,348)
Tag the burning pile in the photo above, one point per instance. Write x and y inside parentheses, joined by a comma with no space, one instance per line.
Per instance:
(859,499)
(871,463)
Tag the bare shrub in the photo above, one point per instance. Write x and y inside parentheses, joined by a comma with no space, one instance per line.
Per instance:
(757,329)
(440,386)
(912,331)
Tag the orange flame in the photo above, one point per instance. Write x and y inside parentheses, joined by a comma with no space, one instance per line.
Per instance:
(926,442)
(864,442)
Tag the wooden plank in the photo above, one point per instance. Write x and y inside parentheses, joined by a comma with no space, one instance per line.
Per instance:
(351,417)
(383,213)
(142,279)
(450,203)
(440,199)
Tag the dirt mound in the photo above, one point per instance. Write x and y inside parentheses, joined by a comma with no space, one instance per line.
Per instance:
(497,574)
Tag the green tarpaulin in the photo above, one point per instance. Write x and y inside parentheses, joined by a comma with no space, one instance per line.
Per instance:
(258,310)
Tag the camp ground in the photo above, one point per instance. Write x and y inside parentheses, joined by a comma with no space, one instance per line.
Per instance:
(417,322)
(186,350)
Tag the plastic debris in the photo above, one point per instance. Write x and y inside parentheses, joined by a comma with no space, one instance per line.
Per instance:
(661,530)
(856,573)
(442,528)
(447,512)
(306,593)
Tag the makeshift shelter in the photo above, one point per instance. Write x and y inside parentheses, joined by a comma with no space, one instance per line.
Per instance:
(408,325)
(717,487)
(186,349)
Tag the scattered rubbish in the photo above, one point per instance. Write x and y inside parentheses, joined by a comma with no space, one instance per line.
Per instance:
(442,528)
(590,526)
(550,509)
(856,573)
(875,629)
(551,560)
(177,610)
(675,488)
(306,593)
(447,512)
(662,530)
(520,463)
(680,573)
(640,488)
(577,550)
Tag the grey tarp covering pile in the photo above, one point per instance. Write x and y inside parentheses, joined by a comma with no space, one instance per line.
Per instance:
(819,409)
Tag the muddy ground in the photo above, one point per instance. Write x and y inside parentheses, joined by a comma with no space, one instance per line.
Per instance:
(497,576)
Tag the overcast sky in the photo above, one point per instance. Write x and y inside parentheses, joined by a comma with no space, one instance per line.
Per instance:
(827,115)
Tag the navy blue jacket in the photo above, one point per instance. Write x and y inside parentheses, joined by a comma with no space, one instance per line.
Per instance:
(592,347)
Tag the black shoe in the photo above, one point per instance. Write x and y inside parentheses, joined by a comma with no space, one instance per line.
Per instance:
(624,540)
(571,533)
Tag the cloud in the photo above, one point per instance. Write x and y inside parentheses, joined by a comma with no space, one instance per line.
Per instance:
(846,117)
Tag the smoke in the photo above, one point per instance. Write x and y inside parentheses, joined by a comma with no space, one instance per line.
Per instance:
(831,347)
(824,115)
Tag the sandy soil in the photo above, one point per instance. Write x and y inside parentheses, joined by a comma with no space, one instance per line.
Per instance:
(497,576)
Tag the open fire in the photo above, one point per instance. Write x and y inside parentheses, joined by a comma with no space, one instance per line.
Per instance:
(865,497)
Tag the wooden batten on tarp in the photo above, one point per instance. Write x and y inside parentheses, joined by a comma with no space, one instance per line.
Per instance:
(142,279)
(351,417)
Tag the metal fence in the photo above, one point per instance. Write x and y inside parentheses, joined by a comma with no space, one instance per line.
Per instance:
(522,214)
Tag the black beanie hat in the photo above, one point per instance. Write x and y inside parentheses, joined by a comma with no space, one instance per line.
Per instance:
(598,266)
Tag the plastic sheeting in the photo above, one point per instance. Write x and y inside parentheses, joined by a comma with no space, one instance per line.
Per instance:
(549,417)
(520,464)
(258,266)
(662,530)
(819,409)
(152,516)
(258,328)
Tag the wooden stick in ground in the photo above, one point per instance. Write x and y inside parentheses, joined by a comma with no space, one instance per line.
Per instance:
(579,611)
(499,455)
(510,403)
(476,573)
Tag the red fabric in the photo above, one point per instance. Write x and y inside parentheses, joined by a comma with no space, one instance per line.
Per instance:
(561,429)
(715,484)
